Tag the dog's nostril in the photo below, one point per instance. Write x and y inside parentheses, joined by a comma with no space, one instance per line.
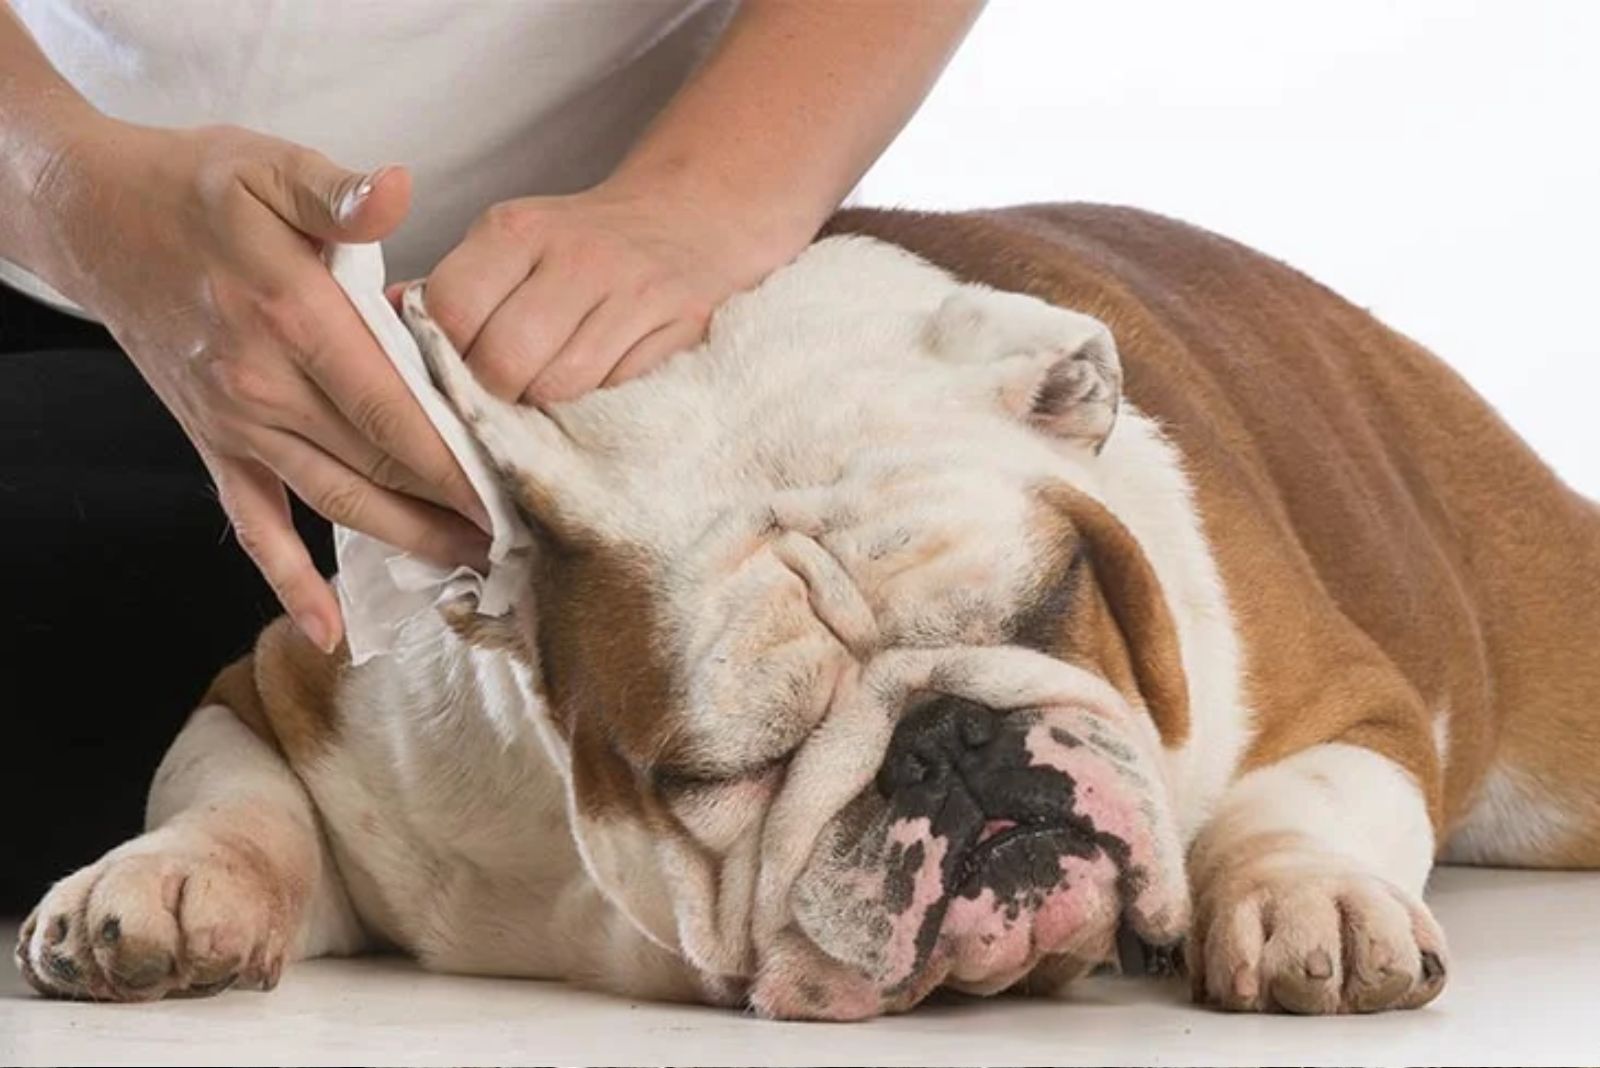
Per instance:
(976,726)
(932,738)
(901,769)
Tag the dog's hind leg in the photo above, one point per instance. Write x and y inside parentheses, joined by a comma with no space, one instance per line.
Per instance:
(1534,773)
(232,879)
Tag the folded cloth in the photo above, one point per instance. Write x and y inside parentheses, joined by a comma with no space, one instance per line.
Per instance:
(382,588)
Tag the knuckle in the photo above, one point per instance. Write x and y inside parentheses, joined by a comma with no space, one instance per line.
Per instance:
(287,319)
(379,418)
(343,503)
(227,159)
(242,383)
(385,470)
(510,218)
(698,312)
(559,385)
(593,259)
(653,287)
(503,373)
(251,538)
(449,313)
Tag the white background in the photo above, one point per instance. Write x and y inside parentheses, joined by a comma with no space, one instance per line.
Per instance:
(1437,161)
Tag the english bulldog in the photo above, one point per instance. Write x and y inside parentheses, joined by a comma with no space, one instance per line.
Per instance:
(984,587)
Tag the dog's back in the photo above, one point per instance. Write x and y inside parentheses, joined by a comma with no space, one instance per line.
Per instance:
(1311,429)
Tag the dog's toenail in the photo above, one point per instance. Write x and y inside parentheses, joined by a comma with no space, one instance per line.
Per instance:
(58,929)
(1432,966)
(63,968)
(1319,965)
(216,986)
(110,931)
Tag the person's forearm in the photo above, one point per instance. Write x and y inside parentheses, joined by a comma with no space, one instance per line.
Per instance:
(796,102)
(40,115)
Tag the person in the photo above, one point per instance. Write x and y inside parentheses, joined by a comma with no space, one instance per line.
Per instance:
(580,183)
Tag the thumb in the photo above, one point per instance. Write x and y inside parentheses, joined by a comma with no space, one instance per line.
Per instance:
(325,201)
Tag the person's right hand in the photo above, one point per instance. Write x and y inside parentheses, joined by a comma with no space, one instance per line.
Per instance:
(199,250)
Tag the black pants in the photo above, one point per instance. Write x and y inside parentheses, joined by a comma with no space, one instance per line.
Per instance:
(124,593)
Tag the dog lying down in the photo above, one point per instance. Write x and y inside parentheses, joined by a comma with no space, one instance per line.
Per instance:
(985,584)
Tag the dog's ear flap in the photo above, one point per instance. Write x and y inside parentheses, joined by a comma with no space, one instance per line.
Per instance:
(552,481)
(1138,606)
(1058,369)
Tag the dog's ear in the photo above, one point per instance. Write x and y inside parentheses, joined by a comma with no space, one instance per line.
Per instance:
(554,483)
(1056,368)
(1138,607)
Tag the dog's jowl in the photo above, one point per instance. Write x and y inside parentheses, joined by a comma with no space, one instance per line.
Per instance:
(985,586)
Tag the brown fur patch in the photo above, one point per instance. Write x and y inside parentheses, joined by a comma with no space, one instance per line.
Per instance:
(1390,548)
(497,633)
(285,691)
(1104,609)
(235,689)
(606,670)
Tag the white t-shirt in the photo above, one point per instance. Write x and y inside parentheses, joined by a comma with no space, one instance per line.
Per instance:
(484,100)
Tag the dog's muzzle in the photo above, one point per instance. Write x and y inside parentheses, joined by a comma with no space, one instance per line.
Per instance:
(1005,811)
(989,843)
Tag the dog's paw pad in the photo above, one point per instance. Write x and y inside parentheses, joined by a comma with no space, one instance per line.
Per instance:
(1307,935)
(170,913)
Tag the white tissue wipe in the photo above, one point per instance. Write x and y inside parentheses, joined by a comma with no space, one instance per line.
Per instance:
(380,587)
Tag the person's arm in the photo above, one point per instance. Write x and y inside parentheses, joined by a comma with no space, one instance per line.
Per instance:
(797,102)
(553,296)
(39,115)
(191,246)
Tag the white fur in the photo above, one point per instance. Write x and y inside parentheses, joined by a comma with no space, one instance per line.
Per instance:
(1344,800)
(820,404)
(1514,821)
(829,403)
(217,760)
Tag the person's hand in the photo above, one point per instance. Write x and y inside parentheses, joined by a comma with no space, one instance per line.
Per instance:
(550,297)
(199,250)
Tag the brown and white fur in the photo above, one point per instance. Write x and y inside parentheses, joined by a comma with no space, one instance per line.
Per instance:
(1340,622)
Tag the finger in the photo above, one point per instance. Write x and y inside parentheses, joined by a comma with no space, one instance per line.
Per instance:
(601,341)
(341,496)
(321,199)
(256,505)
(526,331)
(476,276)
(342,358)
(655,349)
(310,414)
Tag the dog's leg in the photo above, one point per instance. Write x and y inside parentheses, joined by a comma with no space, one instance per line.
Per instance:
(1308,888)
(232,879)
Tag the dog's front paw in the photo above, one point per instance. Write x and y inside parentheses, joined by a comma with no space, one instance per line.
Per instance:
(173,912)
(1305,932)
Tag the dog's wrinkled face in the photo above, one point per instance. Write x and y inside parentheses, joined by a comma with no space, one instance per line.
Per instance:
(859,689)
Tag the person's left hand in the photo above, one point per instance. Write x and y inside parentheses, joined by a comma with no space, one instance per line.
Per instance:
(550,297)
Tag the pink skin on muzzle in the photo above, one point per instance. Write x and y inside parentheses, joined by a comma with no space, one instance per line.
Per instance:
(884,922)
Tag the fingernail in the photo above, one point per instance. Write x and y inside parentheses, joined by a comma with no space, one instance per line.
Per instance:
(317,632)
(351,202)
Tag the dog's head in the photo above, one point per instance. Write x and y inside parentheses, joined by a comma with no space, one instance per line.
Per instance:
(858,687)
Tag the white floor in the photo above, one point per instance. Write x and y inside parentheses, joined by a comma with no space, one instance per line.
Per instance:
(1524,989)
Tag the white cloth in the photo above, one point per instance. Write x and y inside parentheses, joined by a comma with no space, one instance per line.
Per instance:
(381,588)
(484,100)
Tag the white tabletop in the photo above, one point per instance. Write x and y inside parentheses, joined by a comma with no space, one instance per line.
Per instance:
(1523,990)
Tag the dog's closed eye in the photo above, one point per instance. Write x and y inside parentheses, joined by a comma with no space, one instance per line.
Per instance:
(716,811)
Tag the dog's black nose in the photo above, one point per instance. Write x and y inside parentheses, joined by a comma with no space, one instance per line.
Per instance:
(932,740)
